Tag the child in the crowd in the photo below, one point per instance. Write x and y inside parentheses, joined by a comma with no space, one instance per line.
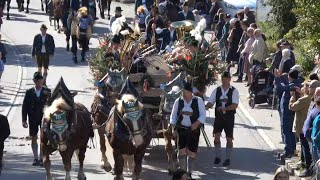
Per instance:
(142,13)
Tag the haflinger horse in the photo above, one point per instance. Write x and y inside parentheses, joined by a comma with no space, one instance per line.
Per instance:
(128,131)
(3,4)
(108,90)
(67,128)
(21,5)
(103,5)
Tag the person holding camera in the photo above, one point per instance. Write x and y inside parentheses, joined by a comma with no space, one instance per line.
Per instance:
(285,86)
(32,109)
(187,116)
(299,103)
(226,98)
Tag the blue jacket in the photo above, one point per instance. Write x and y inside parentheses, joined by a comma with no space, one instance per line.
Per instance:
(315,134)
(283,87)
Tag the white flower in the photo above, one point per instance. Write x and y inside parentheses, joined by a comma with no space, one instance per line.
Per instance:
(116,28)
(125,32)
(193,32)
(198,37)
(202,25)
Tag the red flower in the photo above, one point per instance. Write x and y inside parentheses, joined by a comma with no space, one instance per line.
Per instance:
(168,74)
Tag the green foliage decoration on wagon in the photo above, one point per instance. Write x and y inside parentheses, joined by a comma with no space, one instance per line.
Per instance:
(100,62)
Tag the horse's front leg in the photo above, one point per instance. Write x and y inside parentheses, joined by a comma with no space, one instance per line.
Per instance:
(118,164)
(169,150)
(104,160)
(81,156)
(138,156)
(27,10)
(66,158)
(44,148)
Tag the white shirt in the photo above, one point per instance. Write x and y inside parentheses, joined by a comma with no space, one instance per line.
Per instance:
(38,92)
(43,49)
(235,96)
(186,121)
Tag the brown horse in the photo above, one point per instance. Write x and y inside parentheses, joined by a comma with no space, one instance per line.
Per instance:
(102,104)
(129,133)
(66,129)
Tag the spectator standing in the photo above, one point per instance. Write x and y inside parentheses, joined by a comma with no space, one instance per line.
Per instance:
(215,6)
(277,57)
(223,43)
(245,55)
(299,103)
(142,13)
(219,27)
(146,3)
(248,15)
(185,14)
(286,62)
(4,134)
(287,45)
(258,52)
(244,37)
(284,87)
(234,39)
(315,133)
(216,18)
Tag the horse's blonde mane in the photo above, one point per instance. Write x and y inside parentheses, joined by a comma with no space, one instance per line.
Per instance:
(57,104)
(126,98)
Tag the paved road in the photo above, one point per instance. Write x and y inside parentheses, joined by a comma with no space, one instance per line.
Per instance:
(252,158)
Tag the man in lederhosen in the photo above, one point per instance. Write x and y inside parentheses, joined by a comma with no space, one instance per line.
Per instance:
(187,116)
(32,110)
(226,98)
(43,50)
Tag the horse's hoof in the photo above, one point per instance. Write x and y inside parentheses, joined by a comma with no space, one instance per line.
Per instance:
(106,168)
(27,11)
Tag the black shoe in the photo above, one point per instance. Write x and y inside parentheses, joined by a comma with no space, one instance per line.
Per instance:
(286,155)
(306,173)
(217,160)
(226,162)
(235,74)
(75,60)
(83,59)
(35,162)
(68,47)
(41,163)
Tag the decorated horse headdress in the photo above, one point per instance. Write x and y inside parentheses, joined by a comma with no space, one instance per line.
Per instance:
(128,88)
(115,77)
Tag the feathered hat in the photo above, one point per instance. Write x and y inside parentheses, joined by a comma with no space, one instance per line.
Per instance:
(118,25)
(197,33)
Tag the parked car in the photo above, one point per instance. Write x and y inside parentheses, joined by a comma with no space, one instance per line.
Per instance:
(233,6)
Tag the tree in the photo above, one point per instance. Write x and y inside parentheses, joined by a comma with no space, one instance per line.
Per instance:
(282,15)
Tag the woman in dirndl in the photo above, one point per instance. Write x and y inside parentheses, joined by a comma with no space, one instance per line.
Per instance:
(246,51)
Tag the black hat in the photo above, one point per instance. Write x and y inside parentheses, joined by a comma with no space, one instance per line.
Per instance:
(225,74)
(116,39)
(294,74)
(43,26)
(118,8)
(187,86)
(185,3)
(37,76)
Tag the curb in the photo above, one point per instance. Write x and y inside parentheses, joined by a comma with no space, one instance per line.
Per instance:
(263,134)
(21,73)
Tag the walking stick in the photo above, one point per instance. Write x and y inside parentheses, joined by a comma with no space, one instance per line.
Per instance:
(273,100)
(205,136)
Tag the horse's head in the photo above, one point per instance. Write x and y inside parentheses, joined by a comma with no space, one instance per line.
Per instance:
(131,114)
(170,97)
(56,114)
(114,83)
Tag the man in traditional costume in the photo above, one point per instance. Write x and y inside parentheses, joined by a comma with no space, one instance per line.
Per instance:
(32,110)
(188,114)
